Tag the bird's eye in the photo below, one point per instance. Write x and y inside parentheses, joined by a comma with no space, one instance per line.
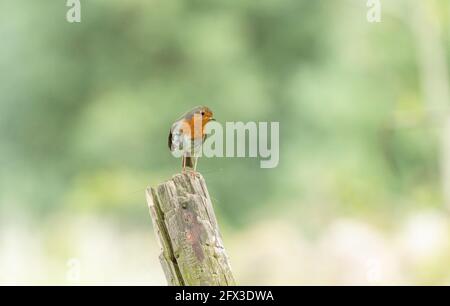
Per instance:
(203,113)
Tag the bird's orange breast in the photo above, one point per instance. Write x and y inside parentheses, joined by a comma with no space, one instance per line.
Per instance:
(189,128)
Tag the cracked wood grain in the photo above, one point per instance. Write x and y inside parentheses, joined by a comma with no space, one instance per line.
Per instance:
(192,251)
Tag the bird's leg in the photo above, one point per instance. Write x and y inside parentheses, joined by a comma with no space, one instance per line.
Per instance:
(183,163)
(189,164)
(194,166)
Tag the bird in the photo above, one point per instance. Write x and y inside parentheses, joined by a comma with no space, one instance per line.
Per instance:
(187,135)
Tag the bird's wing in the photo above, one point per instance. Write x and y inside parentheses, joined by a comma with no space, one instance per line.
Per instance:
(176,138)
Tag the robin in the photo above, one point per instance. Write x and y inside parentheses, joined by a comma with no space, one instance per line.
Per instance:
(187,135)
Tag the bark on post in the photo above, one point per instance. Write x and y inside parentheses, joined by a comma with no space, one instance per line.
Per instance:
(192,251)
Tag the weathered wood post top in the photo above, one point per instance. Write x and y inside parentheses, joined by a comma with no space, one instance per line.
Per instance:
(188,233)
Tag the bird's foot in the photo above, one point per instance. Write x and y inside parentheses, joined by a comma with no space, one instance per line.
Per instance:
(190,172)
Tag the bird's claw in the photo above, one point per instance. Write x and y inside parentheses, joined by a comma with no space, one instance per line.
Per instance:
(190,172)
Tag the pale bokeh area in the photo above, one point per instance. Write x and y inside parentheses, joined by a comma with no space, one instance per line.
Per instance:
(87,250)
(361,194)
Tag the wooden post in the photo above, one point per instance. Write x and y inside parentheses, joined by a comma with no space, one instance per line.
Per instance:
(192,251)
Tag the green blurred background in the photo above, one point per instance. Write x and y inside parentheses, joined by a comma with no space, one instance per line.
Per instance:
(360,196)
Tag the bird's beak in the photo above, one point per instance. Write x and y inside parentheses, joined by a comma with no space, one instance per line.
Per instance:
(212,119)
